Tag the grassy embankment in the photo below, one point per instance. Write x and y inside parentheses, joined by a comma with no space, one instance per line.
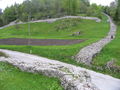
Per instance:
(90,31)
(62,29)
(12,78)
(110,52)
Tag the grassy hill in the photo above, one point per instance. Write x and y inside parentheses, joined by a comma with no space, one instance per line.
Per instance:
(62,29)
(89,30)
(12,78)
(110,52)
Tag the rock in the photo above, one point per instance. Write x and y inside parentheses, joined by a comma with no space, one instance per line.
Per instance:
(87,53)
(52,20)
(111,65)
(76,33)
(72,77)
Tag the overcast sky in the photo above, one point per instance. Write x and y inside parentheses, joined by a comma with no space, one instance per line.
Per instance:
(5,3)
(102,2)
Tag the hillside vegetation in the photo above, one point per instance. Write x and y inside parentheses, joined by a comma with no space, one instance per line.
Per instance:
(11,78)
(91,31)
(42,9)
(62,29)
(110,53)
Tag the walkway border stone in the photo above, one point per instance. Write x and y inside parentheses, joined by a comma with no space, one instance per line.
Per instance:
(87,53)
(52,20)
(72,77)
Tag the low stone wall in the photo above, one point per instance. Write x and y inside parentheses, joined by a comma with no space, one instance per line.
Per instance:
(87,53)
(72,78)
(52,20)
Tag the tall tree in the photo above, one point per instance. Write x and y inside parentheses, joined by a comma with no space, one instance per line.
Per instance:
(0,11)
(117,15)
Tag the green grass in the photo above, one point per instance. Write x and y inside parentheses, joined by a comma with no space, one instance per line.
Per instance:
(61,53)
(110,52)
(88,28)
(11,78)
(90,31)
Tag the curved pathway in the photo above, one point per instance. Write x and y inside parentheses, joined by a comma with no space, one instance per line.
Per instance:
(72,77)
(53,20)
(87,53)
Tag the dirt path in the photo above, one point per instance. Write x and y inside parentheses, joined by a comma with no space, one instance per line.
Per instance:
(39,42)
(87,53)
(72,77)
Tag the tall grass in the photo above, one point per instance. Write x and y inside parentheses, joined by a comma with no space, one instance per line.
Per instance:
(11,78)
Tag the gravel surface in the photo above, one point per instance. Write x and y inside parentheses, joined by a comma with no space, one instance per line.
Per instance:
(72,77)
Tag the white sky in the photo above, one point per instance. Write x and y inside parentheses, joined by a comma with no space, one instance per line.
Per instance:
(102,2)
(5,3)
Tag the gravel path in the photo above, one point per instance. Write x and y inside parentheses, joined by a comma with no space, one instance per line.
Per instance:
(53,20)
(72,77)
(87,53)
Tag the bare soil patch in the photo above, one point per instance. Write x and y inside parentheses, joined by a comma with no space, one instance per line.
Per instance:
(39,42)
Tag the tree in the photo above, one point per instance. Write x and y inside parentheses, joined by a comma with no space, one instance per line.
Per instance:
(117,15)
(94,10)
(1,21)
(42,9)
(75,6)
(112,9)
(0,11)
(9,15)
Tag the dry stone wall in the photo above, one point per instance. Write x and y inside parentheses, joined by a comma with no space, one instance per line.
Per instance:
(72,77)
(87,53)
(52,20)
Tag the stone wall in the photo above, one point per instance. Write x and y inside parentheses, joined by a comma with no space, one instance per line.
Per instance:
(52,20)
(87,53)
(72,78)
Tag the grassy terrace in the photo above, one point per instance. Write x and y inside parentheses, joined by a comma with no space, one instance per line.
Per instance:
(62,29)
(110,52)
(12,78)
(90,31)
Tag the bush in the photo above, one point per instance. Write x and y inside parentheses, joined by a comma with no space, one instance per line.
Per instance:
(67,23)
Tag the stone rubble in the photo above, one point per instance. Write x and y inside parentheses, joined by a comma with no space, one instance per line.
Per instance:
(52,20)
(72,77)
(87,53)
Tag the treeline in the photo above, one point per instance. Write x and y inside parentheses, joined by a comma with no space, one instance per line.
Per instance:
(42,9)
(114,10)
